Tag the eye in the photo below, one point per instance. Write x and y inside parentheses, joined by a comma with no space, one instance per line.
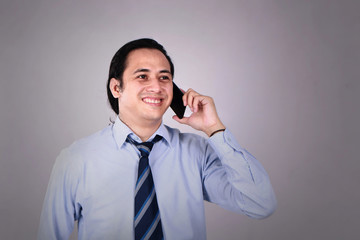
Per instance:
(164,78)
(142,76)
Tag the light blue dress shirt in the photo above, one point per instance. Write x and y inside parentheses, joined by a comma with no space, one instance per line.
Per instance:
(93,182)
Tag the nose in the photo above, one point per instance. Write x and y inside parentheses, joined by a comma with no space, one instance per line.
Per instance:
(154,85)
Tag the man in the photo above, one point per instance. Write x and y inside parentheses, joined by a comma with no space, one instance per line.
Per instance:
(96,179)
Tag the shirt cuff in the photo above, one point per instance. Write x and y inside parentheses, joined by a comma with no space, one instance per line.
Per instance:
(224,142)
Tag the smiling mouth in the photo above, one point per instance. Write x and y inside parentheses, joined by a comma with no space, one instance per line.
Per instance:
(152,100)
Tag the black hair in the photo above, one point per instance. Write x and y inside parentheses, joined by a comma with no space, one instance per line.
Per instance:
(118,64)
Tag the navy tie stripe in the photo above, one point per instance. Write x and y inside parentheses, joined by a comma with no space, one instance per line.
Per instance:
(153,226)
(147,220)
(142,179)
(140,212)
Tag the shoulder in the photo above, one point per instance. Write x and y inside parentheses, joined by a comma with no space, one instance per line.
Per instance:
(94,141)
(88,146)
(189,139)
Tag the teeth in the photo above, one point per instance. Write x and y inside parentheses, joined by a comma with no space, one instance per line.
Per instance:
(148,100)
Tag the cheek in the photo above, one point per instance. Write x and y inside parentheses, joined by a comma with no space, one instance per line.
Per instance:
(130,92)
(170,91)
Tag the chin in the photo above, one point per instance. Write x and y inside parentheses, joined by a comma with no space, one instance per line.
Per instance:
(153,117)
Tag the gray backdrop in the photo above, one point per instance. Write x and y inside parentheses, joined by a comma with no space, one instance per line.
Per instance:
(284,76)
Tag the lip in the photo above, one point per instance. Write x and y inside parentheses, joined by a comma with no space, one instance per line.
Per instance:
(153,101)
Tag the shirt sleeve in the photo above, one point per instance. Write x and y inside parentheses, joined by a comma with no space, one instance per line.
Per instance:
(235,180)
(59,209)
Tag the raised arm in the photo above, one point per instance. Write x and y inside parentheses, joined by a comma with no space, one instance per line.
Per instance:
(232,177)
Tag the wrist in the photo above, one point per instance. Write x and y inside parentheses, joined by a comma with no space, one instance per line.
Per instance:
(215,129)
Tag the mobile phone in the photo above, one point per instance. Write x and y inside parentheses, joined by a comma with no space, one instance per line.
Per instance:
(177,104)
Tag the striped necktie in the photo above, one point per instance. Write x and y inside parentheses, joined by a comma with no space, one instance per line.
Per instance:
(147,216)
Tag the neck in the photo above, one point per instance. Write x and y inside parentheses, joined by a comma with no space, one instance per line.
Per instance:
(143,130)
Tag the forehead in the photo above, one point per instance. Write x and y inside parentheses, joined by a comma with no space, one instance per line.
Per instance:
(145,57)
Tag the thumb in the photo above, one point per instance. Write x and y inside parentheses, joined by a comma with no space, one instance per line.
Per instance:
(183,120)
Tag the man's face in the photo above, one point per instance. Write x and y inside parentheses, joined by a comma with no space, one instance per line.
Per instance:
(147,87)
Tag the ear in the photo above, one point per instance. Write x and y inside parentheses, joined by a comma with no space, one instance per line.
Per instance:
(115,87)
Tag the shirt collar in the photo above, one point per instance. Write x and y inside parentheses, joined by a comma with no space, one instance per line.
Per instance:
(121,132)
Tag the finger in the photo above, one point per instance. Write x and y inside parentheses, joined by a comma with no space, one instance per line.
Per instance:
(197,102)
(184,120)
(183,91)
(185,96)
(190,99)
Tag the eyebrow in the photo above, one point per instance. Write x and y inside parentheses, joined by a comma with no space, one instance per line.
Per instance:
(147,70)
